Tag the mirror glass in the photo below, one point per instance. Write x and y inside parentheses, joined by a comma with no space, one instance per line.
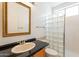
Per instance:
(17,19)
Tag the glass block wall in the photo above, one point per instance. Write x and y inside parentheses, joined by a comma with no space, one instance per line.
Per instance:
(55,31)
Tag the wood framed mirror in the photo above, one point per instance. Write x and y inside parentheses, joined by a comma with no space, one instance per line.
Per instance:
(16,19)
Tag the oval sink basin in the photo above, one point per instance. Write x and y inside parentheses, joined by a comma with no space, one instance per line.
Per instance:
(23,47)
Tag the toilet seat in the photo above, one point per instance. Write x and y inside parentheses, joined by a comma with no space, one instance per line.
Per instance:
(51,51)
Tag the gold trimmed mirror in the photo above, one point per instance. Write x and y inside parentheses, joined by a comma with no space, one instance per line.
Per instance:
(16,19)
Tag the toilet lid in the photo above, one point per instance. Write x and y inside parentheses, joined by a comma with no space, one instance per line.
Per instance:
(51,51)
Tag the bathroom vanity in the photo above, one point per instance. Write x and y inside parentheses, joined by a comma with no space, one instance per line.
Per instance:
(16,20)
(37,51)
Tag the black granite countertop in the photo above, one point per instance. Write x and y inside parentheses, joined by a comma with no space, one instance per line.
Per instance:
(5,51)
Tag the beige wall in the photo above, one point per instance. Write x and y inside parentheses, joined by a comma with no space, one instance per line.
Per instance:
(36,20)
(0,19)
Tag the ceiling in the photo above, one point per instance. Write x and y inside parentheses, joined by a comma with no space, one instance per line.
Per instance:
(50,4)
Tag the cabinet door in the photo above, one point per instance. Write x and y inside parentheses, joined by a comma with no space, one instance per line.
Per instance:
(40,53)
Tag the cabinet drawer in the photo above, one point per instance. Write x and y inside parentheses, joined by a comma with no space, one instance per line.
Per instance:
(40,53)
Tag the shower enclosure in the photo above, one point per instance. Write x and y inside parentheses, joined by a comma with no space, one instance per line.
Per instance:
(55,33)
(62,30)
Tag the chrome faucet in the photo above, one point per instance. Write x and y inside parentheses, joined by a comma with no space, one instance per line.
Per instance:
(21,42)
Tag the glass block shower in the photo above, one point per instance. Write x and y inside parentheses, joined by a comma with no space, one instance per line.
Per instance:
(55,31)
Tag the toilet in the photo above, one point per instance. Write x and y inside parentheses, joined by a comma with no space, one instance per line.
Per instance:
(51,53)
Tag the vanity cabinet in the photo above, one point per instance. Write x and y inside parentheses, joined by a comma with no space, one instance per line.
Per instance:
(40,53)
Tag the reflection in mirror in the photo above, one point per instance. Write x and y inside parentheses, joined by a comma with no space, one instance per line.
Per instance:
(17,19)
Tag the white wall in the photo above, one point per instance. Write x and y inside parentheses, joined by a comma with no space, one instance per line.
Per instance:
(38,11)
